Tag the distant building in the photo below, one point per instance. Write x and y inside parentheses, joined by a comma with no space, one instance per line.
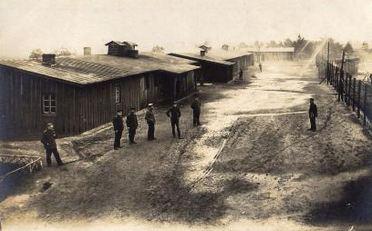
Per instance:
(272,53)
(351,64)
(219,66)
(80,93)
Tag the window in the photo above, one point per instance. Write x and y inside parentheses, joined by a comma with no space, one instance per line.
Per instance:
(49,104)
(117,94)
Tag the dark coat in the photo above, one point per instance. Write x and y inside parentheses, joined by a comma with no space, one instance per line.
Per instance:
(132,121)
(150,117)
(196,106)
(48,139)
(117,122)
(174,113)
(313,111)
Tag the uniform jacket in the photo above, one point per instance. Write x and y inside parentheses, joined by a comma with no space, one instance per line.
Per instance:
(149,116)
(313,111)
(117,122)
(48,139)
(132,121)
(174,113)
(196,106)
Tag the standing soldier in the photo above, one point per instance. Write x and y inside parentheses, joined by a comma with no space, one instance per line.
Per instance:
(174,113)
(260,66)
(195,105)
(117,123)
(313,113)
(241,74)
(150,119)
(49,142)
(132,125)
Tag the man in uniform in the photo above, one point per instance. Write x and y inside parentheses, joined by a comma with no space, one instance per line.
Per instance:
(260,66)
(117,123)
(174,113)
(150,119)
(132,125)
(195,105)
(313,113)
(49,142)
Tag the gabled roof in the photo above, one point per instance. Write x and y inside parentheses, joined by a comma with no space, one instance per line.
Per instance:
(99,68)
(124,43)
(204,47)
(219,57)
(205,58)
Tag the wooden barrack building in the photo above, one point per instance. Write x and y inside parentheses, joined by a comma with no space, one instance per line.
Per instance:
(219,66)
(81,93)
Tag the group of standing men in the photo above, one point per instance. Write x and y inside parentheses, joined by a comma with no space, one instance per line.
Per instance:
(174,114)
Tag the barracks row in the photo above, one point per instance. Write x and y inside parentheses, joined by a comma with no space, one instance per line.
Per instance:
(80,93)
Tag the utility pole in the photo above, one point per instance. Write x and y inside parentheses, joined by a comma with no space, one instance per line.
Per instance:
(328,61)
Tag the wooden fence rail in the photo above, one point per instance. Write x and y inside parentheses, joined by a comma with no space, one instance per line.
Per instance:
(30,163)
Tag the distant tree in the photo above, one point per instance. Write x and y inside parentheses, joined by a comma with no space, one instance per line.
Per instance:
(36,54)
(348,48)
(288,43)
(225,47)
(62,52)
(335,49)
(242,45)
(272,44)
(258,44)
(299,44)
(365,46)
(158,49)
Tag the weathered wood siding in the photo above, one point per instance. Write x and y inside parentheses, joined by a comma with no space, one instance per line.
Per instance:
(79,108)
(21,104)
(241,63)
(216,73)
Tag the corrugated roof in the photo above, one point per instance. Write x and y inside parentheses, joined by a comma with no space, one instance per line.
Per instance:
(219,57)
(98,68)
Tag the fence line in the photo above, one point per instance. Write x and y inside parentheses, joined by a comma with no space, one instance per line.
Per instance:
(356,94)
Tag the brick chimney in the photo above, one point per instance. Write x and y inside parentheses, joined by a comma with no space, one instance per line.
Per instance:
(87,51)
(48,59)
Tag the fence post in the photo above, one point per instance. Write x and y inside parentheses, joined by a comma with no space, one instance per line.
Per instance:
(339,87)
(349,91)
(354,82)
(346,88)
(359,92)
(365,105)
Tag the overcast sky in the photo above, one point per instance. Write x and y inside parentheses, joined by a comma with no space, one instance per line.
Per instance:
(174,24)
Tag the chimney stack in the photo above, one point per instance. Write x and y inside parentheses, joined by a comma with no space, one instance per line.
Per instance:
(48,59)
(87,51)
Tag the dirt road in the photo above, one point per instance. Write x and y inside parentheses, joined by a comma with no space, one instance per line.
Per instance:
(251,166)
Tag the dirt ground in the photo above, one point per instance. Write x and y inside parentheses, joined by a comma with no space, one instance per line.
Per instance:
(252,165)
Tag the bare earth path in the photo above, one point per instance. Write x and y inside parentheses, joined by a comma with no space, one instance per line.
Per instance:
(251,166)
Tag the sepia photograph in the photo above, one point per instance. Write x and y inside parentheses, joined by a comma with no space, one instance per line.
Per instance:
(177,115)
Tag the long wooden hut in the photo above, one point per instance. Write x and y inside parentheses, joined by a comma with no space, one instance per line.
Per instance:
(80,93)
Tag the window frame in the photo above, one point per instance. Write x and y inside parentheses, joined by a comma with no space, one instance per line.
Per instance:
(47,109)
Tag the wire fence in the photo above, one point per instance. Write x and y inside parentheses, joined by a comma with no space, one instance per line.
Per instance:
(355,93)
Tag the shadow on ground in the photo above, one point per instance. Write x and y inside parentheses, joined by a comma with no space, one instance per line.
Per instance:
(353,207)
